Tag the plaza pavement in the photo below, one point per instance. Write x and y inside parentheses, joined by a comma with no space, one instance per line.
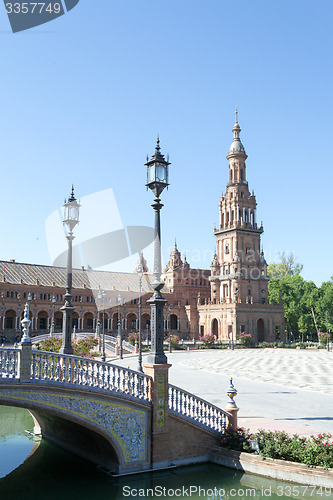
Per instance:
(280,389)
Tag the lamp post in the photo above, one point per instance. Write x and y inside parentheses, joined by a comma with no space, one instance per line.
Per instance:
(53,300)
(140,273)
(71,218)
(103,327)
(157,180)
(169,325)
(328,345)
(98,326)
(120,337)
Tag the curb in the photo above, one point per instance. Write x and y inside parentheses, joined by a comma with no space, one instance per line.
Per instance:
(273,468)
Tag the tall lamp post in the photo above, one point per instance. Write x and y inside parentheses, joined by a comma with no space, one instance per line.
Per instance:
(140,273)
(71,218)
(103,327)
(169,325)
(328,344)
(53,300)
(120,336)
(157,180)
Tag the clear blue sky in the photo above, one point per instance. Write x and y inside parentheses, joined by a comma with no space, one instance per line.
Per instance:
(84,97)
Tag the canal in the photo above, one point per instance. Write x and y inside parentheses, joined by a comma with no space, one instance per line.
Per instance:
(49,473)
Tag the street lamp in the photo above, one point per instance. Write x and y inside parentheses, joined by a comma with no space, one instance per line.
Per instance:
(98,326)
(169,325)
(140,273)
(53,300)
(103,327)
(157,180)
(71,218)
(120,337)
(328,345)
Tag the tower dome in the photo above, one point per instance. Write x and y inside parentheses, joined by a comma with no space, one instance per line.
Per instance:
(236,145)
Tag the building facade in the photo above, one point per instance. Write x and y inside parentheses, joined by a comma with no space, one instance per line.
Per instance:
(230,298)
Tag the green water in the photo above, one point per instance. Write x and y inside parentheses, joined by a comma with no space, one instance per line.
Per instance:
(52,474)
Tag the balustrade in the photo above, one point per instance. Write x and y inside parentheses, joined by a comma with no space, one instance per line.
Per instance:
(197,409)
(87,372)
(8,363)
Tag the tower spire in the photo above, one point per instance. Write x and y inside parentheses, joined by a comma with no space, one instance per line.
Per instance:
(236,115)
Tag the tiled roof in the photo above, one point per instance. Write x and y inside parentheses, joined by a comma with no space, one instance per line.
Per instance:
(39,275)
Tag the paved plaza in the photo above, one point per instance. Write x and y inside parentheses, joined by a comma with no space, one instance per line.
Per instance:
(281,389)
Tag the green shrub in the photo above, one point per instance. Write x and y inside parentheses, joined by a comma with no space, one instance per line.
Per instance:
(313,451)
(208,340)
(82,347)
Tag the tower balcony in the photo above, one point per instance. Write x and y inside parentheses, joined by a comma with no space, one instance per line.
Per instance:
(239,225)
(236,181)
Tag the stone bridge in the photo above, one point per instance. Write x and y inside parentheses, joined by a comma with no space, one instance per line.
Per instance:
(120,419)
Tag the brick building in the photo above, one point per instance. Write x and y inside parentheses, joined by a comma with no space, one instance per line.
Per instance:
(229,298)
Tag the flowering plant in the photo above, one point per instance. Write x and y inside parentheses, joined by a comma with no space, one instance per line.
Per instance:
(208,340)
(245,338)
(134,337)
(322,337)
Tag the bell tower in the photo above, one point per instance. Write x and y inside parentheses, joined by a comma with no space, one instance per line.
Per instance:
(242,275)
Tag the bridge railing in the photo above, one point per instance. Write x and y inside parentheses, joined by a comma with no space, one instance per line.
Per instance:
(89,373)
(9,363)
(197,410)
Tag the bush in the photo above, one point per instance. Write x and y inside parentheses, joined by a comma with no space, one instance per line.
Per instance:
(82,347)
(208,340)
(236,439)
(174,341)
(313,451)
(322,337)
(133,337)
(245,339)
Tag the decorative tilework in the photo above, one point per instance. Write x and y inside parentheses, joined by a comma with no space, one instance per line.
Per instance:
(126,425)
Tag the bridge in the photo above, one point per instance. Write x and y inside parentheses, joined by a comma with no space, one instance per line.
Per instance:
(123,420)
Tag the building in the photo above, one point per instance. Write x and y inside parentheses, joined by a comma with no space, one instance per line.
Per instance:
(230,298)
(239,281)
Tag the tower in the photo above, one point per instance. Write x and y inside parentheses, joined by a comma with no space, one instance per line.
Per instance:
(239,281)
(242,267)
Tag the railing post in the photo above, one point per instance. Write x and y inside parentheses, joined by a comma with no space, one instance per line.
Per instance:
(231,407)
(26,349)
(159,395)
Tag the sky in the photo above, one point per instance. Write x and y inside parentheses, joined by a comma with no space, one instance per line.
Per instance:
(84,97)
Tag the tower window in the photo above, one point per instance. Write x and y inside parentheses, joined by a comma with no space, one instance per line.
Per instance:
(226,249)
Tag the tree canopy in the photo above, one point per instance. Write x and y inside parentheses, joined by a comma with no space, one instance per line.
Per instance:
(303,301)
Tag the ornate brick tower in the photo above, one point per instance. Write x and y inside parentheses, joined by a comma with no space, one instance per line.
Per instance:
(239,271)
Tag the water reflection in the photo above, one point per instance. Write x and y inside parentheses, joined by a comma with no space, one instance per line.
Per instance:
(15,443)
(51,474)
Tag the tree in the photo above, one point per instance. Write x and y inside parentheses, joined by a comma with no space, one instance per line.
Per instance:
(286,267)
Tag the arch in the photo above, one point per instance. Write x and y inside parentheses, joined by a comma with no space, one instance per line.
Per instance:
(75,321)
(145,320)
(10,316)
(215,328)
(88,321)
(131,322)
(58,317)
(97,439)
(115,322)
(261,330)
(42,317)
(174,322)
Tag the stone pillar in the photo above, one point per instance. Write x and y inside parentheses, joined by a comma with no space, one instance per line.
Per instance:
(25,363)
(231,407)
(159,394)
